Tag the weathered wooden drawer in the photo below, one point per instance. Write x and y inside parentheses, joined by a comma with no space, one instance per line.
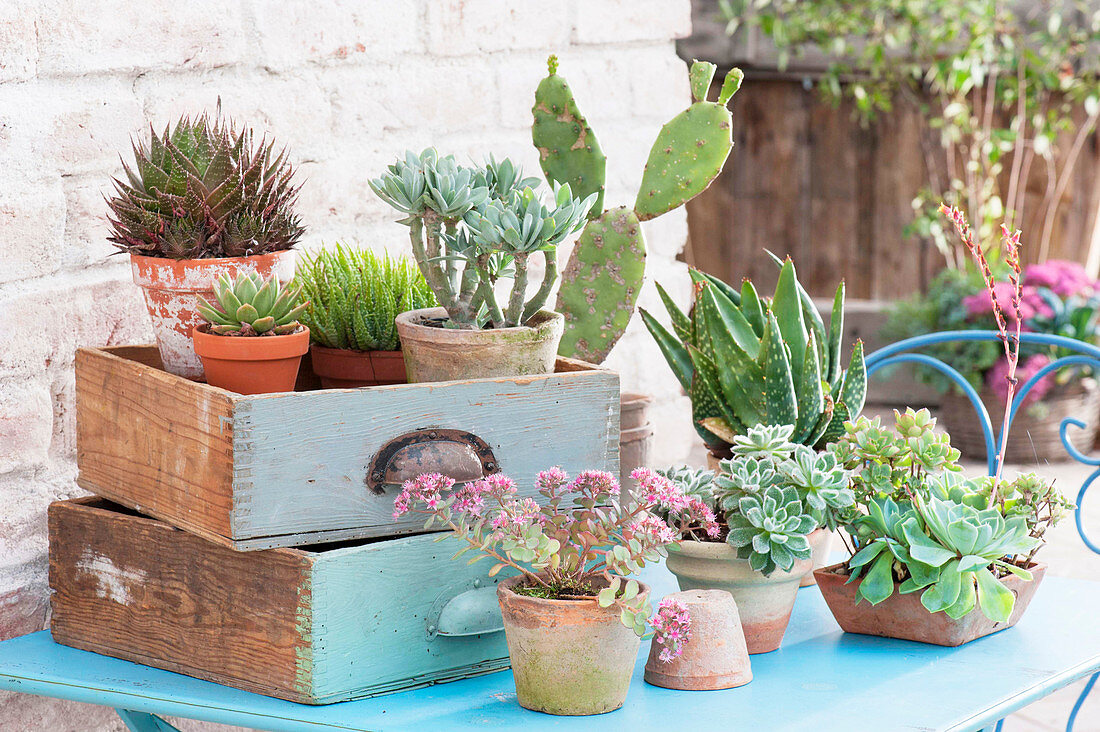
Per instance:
(272,470)
(314,625)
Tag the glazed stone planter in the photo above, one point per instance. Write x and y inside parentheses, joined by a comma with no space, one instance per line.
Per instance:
(569,657)
(715,657)
(821,543)
(436,353)
(764,603)
(251,364)
(172,287)
(343,368)
(904,617)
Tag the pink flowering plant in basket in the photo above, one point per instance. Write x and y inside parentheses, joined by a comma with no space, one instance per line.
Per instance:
(580,535)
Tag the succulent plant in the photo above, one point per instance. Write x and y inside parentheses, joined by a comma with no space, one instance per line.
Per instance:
(604,275)
(252,306)
(203,189)
(354,296)
(489,220)
(747,360)
(770,530)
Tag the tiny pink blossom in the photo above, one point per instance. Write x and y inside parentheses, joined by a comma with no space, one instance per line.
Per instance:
(671,627)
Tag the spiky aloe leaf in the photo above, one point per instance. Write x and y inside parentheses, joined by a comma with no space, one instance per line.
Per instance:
(727,289)
(723,314)
(810,315)
(706,399)
(721,428)
(835,428)
(781,403)
(568,149)
(836,330)
(681,323)
(752,307)
(674,352)
(787,308)
(822,424)
(853,390)
(811,396)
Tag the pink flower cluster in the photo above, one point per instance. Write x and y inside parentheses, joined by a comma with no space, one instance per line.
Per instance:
(427,488)
(591,483)
(659,492)
(1064,278)
(650,529)
(671,628)
(1032,304)
(997,381)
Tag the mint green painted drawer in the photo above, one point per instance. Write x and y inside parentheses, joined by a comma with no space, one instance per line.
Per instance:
(315,625)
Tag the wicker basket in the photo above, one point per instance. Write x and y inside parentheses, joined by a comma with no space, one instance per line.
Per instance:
(1034,436)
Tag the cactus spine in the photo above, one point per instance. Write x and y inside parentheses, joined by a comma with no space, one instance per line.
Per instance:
(604,276)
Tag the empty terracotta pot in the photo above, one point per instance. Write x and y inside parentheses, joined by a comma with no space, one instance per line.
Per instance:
(635,435)
(171,287)
(343,368)
(903,616)
(715,657)
(251,364)
(764,603)
(821,543)
(436,353)
(569,657)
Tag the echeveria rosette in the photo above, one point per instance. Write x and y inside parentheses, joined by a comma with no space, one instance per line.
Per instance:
(822,484)
(252,306)
(770,530)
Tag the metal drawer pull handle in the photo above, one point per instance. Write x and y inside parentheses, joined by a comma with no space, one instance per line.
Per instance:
(473,612)
(460,455)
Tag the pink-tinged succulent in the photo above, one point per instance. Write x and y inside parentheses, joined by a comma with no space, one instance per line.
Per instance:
(671,628)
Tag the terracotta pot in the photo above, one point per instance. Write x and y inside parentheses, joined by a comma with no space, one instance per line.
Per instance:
(171,288)
(1035,435)
(435,353)
(343,368)
(903,616)
(715,657)
(764,603)
(251,365)
(821,543)
(635,435)
(569,657)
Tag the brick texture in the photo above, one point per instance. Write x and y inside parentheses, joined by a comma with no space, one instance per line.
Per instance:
(346,86)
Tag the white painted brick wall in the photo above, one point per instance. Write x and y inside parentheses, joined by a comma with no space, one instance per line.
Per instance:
(347,85)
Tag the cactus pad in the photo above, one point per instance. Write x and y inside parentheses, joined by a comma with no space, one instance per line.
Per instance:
(600,284)
(568,149)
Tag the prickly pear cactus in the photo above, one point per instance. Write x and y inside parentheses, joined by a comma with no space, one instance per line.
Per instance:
(690,150)
(600,285)
(568,149)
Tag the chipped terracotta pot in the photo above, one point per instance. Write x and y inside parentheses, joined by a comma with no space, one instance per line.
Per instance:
(435,353)
(171,288)
(343,368)
(764,603)
(715,657)
(821,543)
(904,617)
(251,364)
(569,657)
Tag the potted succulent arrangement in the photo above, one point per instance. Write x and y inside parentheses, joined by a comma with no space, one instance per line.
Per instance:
(471,228)
(603,279)
(251,341)
(769,498)
(572,618)
(746,360)
(354,297)
(1056,297)
(202,200)
(940,558)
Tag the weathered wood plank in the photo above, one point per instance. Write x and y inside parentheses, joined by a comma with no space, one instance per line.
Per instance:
(138,589)
(155,442)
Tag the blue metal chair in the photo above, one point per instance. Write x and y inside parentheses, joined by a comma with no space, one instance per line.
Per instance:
(1084,354)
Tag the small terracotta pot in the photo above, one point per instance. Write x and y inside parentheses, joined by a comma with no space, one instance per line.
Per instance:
(172,287)
(343,368)
(904,617)
(569,657)
(715,657)
(821,543)
(251,364)
(435,353)
(764,603)
(635,435)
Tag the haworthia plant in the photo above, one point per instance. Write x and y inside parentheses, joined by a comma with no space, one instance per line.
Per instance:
(601,283)
(747,360)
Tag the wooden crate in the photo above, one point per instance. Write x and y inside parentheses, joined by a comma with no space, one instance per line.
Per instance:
(272,470)
(313,625)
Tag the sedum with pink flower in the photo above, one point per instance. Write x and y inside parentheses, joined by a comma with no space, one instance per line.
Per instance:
(580,536)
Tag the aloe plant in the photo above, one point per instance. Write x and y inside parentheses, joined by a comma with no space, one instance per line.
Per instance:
(747,360)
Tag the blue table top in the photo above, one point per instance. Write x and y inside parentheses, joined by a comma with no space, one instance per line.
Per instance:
(821,679)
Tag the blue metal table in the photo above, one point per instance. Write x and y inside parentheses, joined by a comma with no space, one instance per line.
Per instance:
(821,679)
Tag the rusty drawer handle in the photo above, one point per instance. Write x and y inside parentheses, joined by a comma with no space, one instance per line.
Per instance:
(460,455)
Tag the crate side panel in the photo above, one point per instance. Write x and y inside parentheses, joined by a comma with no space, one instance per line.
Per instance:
(302,458)
(153,441)
(373,606)
(135,588)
